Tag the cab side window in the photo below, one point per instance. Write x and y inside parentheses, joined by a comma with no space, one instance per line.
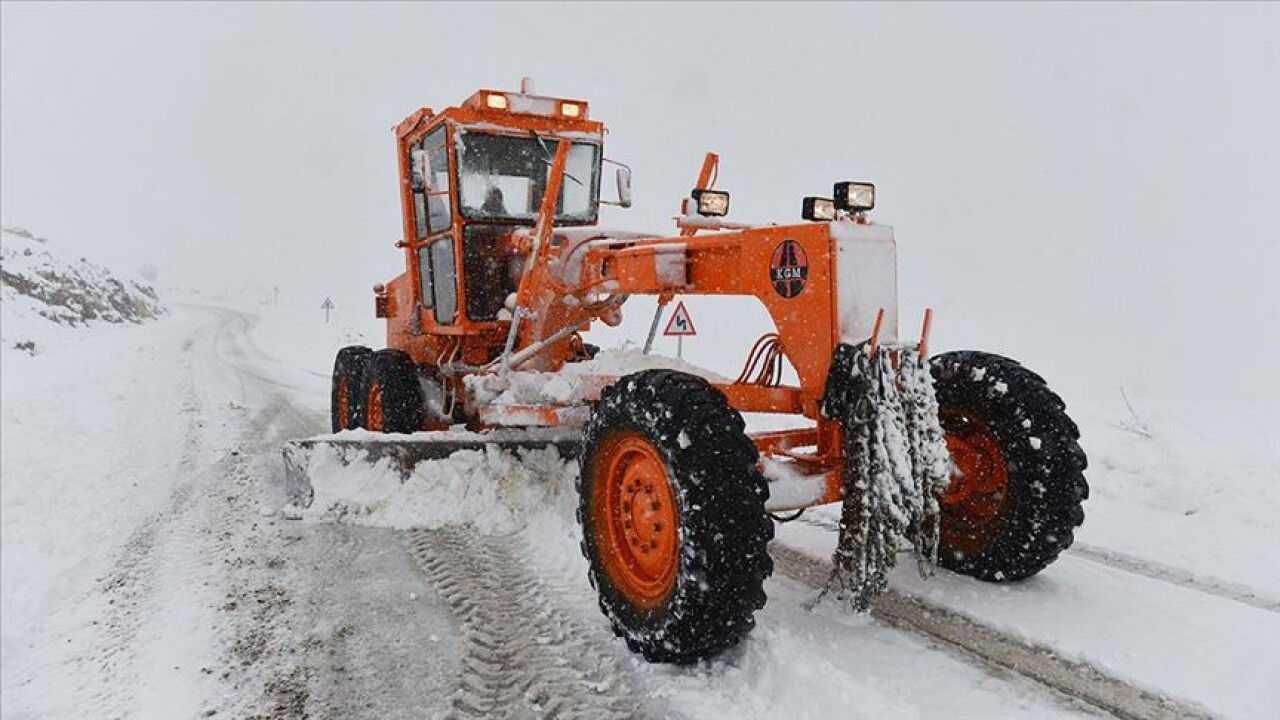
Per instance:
(444,280)
(432,220)
(426,293)
(418,185)
(439,213)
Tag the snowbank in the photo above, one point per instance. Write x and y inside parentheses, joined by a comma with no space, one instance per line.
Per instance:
(491,490)
(1208,503)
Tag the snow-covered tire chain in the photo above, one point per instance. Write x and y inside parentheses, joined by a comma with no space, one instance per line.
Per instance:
(1082,681)
(348,367)
(397,376)
(1041,448)
(724,531)
(524,657)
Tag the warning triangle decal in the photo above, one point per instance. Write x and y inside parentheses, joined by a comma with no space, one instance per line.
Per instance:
(680,322)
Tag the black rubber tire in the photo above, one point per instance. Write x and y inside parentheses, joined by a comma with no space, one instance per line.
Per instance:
(720,495)
(397,378)
(1041,449)
(348,368)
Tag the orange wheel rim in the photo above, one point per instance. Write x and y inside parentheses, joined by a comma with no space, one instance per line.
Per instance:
(635,520)
(975,497)
(344,405)
(373,409)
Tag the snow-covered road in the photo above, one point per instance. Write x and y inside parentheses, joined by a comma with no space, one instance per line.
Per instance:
(1160,629)
(146,573)
(141,576)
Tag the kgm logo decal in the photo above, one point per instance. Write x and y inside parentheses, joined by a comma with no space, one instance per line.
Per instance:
(789,268)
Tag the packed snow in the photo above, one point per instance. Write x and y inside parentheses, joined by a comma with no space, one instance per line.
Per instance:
(490,490)
(570,387)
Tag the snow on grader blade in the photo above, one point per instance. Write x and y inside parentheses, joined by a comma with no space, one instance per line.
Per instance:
(967,456)
(404,452)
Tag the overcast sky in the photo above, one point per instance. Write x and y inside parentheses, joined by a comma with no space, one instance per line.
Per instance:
(1091,188)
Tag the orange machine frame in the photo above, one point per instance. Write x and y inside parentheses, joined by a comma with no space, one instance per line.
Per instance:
(726,262)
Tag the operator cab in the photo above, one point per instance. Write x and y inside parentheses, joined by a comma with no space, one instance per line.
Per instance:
(473,176)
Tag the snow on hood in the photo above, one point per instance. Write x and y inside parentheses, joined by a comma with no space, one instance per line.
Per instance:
(565,387)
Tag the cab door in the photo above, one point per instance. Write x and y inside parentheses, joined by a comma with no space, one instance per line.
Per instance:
(433,253)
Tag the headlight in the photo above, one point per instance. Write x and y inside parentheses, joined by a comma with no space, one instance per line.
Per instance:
(855,196)
(570,110)
(712,203)
(816,208)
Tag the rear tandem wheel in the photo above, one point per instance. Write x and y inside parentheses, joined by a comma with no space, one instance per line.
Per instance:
(346,401)
(393,395)
(1015,500)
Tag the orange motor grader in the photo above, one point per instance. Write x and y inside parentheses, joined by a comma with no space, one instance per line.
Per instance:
(505,269)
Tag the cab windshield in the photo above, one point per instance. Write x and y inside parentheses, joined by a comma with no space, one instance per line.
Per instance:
(504,177)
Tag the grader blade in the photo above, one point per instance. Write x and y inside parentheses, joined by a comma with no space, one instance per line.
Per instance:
(404,452)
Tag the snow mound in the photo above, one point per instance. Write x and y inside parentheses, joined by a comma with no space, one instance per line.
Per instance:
(36,283)
(492,490)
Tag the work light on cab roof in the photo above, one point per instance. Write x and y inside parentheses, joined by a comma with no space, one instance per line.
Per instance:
(528,104)
(505,269)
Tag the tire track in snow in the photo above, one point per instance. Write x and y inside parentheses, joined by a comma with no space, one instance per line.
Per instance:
(1153,570)
(299,637)
(129,588)
(524,657)
(1079,680)
(1149,569)
(164,547)
(267,671)
(234,347)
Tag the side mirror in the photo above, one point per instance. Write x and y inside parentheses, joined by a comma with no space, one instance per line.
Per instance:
(624,187)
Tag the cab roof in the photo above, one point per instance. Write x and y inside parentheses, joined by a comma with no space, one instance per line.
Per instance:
(496,109)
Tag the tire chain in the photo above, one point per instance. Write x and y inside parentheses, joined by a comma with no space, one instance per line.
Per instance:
(524,657)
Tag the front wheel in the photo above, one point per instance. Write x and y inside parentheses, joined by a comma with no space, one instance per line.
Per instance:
(671,504)
(1015,494)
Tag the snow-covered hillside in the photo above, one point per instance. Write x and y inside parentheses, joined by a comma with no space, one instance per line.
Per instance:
(39,285)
